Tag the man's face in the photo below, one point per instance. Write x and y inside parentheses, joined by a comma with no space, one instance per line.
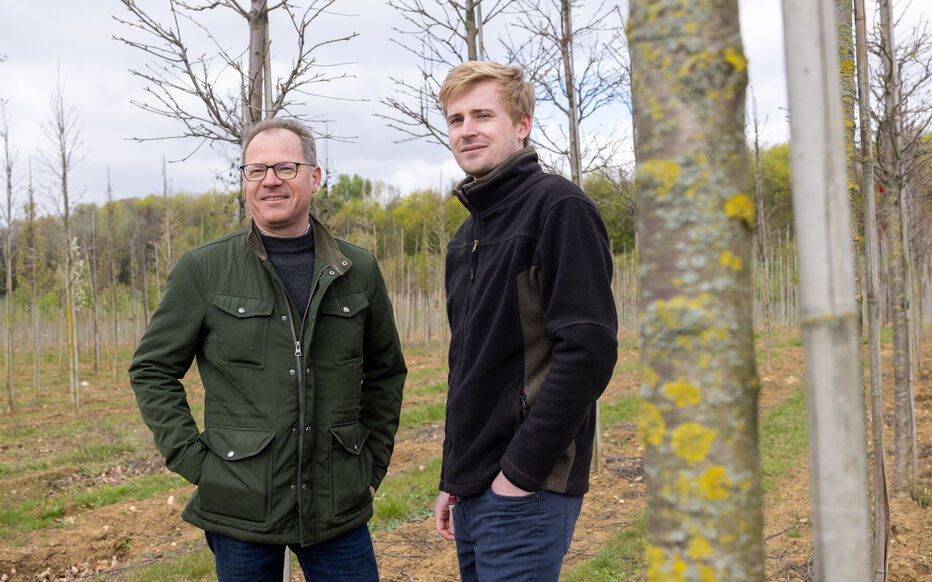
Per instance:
(280,207)
(482,133)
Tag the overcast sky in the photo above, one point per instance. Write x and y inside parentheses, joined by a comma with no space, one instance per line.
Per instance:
(40,38)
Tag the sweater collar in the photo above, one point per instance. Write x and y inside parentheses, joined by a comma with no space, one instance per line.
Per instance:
(479,194)
(325,246)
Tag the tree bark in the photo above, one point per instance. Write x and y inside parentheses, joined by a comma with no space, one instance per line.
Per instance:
(828,304)
(698,417)
(881,531)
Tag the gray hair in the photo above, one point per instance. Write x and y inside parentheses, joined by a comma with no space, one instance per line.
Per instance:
(308,146)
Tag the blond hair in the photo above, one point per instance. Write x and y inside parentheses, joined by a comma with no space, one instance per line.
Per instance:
(517,94)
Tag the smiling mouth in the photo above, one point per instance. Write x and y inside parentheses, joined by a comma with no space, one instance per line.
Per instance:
(274,198)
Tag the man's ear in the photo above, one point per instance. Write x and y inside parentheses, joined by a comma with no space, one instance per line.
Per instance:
(316,175)
(524,126)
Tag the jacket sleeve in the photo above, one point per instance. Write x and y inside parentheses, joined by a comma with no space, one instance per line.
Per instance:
(162,358)
(581,323)
(383,379)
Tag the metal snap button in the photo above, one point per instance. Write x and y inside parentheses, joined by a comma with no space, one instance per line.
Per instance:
(346,310)
(241,310)
(230,454)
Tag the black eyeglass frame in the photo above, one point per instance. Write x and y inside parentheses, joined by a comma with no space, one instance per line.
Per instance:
(274,169)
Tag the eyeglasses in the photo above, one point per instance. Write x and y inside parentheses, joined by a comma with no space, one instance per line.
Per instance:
(283,171)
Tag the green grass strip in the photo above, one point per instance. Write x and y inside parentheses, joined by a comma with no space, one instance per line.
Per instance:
(783,436)
(195,566)
(621,558)
(405,497)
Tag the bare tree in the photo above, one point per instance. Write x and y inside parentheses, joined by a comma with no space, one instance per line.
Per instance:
(65,149)
(871,247)
(30,257)
(575,86)
(9,159)
(698,417)
(891,165)
(111,279)
(440,34)
(213,97)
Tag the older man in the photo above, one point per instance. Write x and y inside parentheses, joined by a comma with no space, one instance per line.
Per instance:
(302,368)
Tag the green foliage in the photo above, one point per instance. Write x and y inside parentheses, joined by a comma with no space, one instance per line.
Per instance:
(776,181)
(613,194)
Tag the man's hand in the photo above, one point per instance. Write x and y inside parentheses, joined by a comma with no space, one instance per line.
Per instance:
(502,486)
(443,516)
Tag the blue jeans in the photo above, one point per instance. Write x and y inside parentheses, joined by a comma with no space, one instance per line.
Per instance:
(346,558)
(518,539)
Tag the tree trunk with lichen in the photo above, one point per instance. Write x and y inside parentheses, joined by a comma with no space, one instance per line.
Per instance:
(698,417)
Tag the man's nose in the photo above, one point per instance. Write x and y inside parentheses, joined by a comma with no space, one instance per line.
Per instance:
(468,127)
(270,177)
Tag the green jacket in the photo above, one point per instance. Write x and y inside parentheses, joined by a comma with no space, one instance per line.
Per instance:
(300,412)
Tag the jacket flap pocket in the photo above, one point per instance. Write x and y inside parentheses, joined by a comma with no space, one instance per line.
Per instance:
(232,444)
(345,305)
(351,435)
(243,306)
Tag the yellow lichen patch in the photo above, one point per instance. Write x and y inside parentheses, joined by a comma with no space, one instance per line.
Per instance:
(649,377)
(664,173)
(741,206)
(734,58)
(656,560)
(691,442)
(650,423)
(654,109)
(684,342)
(682,393)
(714,484)
(699,547)
(704,361)
(707,574)
(731,261)
(847,67)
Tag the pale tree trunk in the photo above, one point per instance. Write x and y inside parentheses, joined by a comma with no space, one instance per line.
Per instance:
(65,149)
(698,417)
(828,305)
(91,255)
(762,236)
(8,157)
(881,531)
(30,237)
(258,19)
(572,110)
(893,188)
(472,31)
(111,282)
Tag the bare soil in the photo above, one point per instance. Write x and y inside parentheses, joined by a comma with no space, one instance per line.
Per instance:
(126,535)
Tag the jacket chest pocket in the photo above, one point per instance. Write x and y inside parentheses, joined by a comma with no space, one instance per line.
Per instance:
(241,329)
(343,319)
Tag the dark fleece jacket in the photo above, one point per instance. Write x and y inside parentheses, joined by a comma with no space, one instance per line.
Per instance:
(534,329)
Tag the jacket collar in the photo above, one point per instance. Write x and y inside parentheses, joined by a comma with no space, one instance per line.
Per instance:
(325,245)
(479,194)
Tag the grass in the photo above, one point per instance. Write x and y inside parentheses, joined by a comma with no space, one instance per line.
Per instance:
(784,435)
(195,566)
(621,558)
(39,511)
(415,417)
(619,411)
(405,497)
